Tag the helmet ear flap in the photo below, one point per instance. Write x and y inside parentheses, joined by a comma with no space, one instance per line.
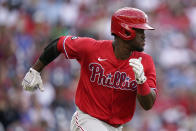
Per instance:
(122,30)
(128,34)
(132,33)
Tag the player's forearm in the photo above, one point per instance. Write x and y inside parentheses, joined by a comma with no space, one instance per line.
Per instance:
(148,100)
(49,54)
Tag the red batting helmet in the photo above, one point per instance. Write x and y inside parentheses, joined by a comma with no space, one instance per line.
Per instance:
(123,20)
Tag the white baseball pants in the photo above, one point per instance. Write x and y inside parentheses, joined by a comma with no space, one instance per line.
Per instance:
(84,122)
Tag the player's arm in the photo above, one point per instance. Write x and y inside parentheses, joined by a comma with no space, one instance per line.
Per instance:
(145,94)
(32,79)
(148,100)
(48,55)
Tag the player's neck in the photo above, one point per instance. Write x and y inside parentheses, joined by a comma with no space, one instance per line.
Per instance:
(121,52)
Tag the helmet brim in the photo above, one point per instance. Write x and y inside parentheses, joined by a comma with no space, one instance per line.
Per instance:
(143,26)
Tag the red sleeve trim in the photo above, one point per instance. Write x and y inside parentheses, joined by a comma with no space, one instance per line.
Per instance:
(61,45)
(143,89)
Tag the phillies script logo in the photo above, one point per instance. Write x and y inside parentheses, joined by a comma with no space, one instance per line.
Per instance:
(119,80)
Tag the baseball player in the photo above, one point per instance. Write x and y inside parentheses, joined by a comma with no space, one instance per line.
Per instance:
(113,73)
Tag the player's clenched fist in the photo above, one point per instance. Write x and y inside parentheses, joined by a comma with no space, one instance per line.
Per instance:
(32,81)
(138,70)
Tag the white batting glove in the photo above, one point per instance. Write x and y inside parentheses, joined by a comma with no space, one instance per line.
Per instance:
(138,70)
(32,81)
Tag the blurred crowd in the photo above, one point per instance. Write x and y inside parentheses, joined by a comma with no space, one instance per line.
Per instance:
(27,26)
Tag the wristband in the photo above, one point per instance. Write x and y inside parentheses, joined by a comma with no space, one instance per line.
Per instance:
(143,89)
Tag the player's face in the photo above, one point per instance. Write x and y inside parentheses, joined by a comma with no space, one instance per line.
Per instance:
(138,42)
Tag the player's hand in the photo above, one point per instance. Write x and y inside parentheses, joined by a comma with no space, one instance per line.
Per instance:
(138,70)
(32,81)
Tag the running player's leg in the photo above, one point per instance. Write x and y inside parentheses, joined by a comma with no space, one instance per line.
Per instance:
(84,122)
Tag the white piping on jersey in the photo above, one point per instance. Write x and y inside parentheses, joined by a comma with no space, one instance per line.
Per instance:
(64,47)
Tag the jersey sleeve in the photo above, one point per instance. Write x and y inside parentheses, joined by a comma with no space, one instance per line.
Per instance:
(150,72)
(74,47)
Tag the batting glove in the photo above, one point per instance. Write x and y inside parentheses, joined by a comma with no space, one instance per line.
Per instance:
(32,81)
(138,70)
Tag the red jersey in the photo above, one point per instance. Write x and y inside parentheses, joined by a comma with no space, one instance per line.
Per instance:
(107,88)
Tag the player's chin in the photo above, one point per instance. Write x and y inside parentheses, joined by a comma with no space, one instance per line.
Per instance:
(139,49)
